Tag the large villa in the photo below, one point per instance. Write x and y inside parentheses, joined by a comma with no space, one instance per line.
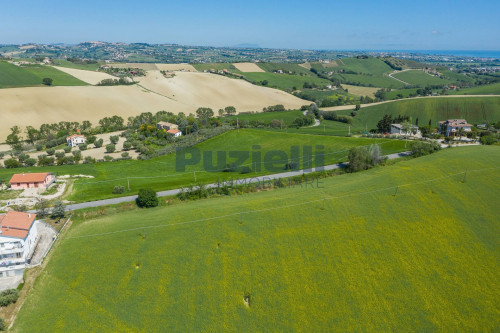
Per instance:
(18,239)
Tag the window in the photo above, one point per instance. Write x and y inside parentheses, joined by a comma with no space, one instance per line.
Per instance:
(19,255)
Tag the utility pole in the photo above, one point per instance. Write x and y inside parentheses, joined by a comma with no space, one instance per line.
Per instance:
(349,130)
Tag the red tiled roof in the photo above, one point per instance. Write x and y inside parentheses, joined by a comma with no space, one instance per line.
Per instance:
(173,131)
(29,177)
(74,136)
(16,224)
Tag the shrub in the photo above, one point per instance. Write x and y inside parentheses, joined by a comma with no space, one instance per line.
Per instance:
(3,327)
(83,146)
(60,154)
(488,140)
(110,148)
(11,163)
(98,143)
(30,162)
(114,139)
(88,160)
(419,148)
(67,149)
(147,198)
(108,158)
(127,145)
(118,189)
(50,151)
(39,147)
(8,296)
(47,81)
(125,154)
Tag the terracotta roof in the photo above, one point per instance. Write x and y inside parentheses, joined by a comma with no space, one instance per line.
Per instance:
(173,131)
(16,224)
(74,136)
(29,177)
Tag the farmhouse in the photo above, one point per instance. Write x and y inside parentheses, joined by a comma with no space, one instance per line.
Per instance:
(175,132)
(166,126)
(31,180)
(18,238)
(452,126)
(398,129)
(75,140)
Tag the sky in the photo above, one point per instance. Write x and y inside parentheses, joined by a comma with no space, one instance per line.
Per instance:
(293,24)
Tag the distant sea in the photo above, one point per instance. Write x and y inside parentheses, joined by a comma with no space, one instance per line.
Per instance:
(460,53)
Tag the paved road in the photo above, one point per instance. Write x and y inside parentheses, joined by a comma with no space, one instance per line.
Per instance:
(316,121)
(252,180)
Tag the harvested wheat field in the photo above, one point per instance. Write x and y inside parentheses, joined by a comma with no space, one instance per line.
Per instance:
(90,77)
(176,67)
(306,65)
(216,91)
(248,67)
(361,91)
(183,93)
(37,105)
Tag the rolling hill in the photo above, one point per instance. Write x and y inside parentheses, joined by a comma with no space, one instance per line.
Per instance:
(348,255)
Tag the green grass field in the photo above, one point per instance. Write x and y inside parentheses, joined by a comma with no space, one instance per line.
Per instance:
(380,81)
(286,116)
(420,78)
(14,76)
(474,109)
(490,89)
(294,68)
(425,260)
(285,81)
(216,66)
(69,64)
(160,173)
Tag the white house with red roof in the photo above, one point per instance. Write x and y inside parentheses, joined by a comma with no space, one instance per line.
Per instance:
(76,139)
(174,132)
(18,239)
(20,181)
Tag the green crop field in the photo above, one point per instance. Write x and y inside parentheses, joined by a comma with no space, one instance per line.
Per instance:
(14,76)
(476,110)
(420,78)
(69,64)
(160,173)
(490,89)
(285,81)
(422,259)
(286,116)
(216,66)
(294,68)
(380,81)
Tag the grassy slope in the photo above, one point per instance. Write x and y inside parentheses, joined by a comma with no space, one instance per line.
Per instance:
(69,64)
(216,66)
(287,116)
(418,77)
(285,81)
(425,260)
(474,110)
(294,68)
(491,89)
(159,173)
(14,76)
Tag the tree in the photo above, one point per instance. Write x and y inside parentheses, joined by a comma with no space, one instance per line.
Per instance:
(147,198)
(204,114)
(42,208)
(114,139)
(47,81)
(82,147)
(11,163)
(59,210)
(32,134)
(221,113)
(77,156)
(30,162)
(98,143)
(461,132)
(110,148)
(384,125)
(357,107)
(230,110)
(14,138)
